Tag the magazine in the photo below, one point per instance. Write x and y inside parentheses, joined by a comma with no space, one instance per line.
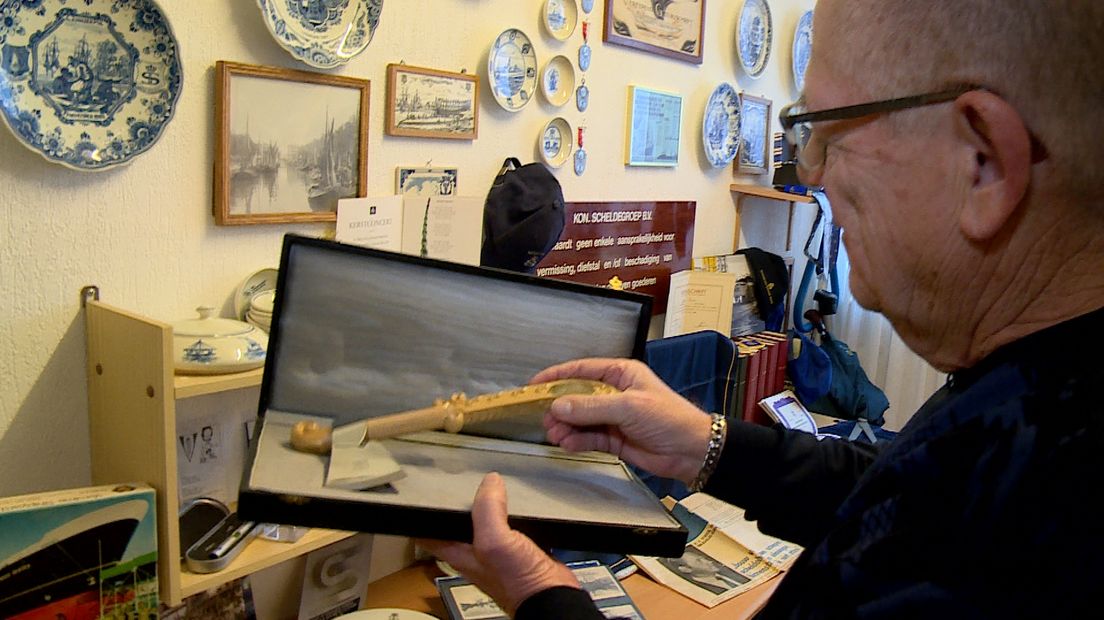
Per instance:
(464,601)
(725,555)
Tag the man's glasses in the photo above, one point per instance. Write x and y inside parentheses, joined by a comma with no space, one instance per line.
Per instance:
(797,122)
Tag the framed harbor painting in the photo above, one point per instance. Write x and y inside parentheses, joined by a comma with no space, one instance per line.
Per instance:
(428,103)
(755,134)
(290,144)
(672,28)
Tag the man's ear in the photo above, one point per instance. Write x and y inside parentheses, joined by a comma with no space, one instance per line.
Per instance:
(1001,144)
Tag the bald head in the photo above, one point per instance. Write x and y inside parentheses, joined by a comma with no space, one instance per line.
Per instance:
(1042,57)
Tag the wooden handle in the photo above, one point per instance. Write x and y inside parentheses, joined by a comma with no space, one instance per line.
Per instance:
(453,414)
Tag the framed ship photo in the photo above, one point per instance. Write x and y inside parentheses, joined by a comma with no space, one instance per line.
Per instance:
(755,136)
(671,28)
(290,144)
(428,103)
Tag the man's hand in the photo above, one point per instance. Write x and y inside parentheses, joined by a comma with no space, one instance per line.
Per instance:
(647,424)
(502,562)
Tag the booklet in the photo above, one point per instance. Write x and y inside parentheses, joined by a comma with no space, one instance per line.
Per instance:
(725,555)
(785,409)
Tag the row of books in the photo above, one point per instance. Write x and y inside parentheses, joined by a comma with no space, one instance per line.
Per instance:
(760,372)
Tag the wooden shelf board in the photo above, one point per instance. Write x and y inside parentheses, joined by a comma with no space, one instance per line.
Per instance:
(186,386)
(767,192)
(260,554)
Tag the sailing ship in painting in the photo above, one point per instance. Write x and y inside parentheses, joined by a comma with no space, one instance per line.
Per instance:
(269,177)
(434,103)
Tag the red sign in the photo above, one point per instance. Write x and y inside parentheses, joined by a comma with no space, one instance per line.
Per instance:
(634,246)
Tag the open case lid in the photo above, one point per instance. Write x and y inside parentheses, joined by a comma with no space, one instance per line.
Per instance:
(360,333)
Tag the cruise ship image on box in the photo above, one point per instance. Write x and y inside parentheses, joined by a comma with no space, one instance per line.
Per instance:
(79,554)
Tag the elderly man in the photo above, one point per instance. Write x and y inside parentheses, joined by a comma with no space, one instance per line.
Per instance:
(960,144)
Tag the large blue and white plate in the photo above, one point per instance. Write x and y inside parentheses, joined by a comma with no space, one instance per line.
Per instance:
(721,126)
(754,33)
(88,84)
(322,33)
(512,69)
(802,48)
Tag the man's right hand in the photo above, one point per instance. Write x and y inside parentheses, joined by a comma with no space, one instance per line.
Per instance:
(647,424)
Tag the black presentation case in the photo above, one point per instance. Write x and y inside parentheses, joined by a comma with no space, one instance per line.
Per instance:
(360,333)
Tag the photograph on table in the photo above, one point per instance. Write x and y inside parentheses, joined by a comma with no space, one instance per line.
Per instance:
(671,28)
(429,103)
(755,142)
(289,145)
(654,128)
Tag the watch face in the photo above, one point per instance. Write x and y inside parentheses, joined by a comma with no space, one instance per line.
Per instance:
(580,161)
(582,98)
(584,57)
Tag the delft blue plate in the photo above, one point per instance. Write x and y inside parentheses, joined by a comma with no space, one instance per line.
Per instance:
(512,69)
(322,33)
(555,142)
(88,84)
(754,33)
(721,126)
(560,18)
(802,47)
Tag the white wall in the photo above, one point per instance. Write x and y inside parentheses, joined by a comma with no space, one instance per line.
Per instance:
(144,233)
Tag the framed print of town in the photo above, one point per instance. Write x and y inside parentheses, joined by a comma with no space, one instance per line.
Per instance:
(427,103)
(290,144)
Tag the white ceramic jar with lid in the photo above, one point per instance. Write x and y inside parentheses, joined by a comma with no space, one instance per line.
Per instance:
(213,345)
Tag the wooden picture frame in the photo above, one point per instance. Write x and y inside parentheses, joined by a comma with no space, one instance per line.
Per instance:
(429,103)
(674,30)
(289,144)
(755,135)
(653,134)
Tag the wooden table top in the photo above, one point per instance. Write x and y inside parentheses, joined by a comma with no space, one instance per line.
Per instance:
(413,588)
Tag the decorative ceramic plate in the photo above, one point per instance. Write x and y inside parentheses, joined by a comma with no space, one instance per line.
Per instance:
(322,33)
(802,47)
(88,84)
(386,614)
(512,69)
(721,126)
(754,33)
(256,282)
(558,80)
(555,142)
(560,18)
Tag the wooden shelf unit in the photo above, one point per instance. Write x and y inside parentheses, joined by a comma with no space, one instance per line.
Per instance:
(132,394)
(761,191)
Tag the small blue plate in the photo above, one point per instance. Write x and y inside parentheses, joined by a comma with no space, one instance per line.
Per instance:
(512,69)
(754,34)
(802,48)
(90,84)
(322,33)
(721,126)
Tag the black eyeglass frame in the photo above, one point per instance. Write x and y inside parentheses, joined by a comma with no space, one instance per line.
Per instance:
(789,121)
(874,107)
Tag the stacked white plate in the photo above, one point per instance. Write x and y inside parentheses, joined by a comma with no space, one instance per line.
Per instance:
(260,309)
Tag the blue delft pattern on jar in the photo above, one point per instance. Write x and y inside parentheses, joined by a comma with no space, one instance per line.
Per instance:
(88,84)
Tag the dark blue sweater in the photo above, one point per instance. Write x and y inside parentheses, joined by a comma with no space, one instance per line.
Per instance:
(982,507)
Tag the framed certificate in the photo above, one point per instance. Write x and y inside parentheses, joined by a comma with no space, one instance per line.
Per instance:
(654,128)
